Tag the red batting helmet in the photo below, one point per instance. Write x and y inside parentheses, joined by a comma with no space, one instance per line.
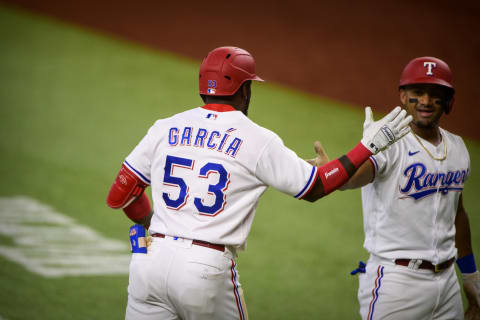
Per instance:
(224,70)
(429,70)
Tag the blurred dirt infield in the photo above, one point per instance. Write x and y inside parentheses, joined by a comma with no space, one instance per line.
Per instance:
(351,51)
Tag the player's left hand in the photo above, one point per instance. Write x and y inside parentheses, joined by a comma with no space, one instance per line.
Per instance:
(322,157)
(471,286)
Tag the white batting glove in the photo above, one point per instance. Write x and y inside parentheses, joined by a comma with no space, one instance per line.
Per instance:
(471,286)
(378,135)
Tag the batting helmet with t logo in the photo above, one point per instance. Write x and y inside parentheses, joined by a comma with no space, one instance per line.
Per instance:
(429,70)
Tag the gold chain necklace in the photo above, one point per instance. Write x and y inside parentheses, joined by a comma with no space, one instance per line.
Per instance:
(428,152)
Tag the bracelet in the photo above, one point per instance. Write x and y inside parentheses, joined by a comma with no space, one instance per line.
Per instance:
(467,264)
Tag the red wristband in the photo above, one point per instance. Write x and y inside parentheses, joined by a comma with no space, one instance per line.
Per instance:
(359,155)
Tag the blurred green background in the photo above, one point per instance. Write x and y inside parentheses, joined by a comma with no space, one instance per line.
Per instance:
(73,103)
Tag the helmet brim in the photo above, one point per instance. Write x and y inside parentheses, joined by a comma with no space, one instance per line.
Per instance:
(426,80)
(257,78)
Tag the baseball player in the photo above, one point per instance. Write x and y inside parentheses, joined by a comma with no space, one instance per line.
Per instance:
(208,166)
(414,220)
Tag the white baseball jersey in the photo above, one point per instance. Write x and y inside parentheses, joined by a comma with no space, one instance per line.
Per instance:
(208,167)
(409,209)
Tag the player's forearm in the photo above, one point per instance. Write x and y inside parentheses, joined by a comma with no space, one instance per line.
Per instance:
(336,173)
(463,238)
(362,177)
(349,185)
(140,211)
(145,221)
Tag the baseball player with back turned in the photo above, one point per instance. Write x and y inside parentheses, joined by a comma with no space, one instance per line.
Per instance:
(208,166)
(414,220)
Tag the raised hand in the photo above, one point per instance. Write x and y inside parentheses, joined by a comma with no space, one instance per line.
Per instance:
(378,135)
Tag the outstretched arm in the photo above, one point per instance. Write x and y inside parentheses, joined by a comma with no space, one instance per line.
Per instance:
(363,176)
(466,262)
(377,136)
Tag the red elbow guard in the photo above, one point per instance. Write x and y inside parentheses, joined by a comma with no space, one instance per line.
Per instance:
(138,209)
(126,188)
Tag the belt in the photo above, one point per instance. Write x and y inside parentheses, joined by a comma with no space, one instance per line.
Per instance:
(427,264)
(219,247)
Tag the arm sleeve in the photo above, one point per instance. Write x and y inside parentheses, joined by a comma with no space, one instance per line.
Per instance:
(281,168)
(379,161)
(139,161)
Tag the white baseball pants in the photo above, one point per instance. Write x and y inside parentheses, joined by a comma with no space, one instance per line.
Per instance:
(392,292)
(179,280)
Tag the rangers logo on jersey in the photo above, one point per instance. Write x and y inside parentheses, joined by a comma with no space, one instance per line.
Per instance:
(421,183)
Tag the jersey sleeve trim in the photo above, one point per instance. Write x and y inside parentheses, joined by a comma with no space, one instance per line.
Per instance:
(374,162)
(137,173)
(309,185)
(375,167)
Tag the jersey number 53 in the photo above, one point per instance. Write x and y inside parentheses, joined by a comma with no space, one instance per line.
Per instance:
(216,190)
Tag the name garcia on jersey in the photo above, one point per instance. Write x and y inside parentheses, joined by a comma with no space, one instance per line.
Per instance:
(202,138)
(421,183)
